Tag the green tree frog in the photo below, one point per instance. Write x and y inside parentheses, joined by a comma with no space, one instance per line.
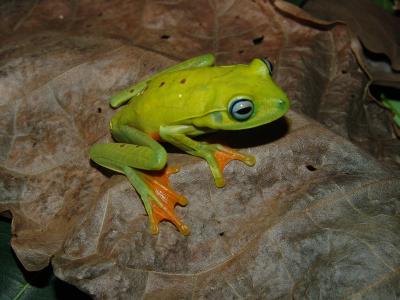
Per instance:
(186,100)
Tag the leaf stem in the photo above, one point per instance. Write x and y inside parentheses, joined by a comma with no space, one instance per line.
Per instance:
(21,291)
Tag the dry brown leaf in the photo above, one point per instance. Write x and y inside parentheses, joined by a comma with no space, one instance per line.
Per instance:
(377,29)
(376,42)
(378,68)
(331,86)
(316,217)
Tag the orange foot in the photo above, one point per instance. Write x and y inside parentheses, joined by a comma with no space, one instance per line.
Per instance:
(163,206)
(221,157)
(225,154)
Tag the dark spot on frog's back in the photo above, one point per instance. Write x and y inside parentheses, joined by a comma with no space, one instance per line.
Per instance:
(183,81)
(161,84)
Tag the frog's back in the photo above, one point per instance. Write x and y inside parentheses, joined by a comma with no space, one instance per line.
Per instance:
(172,98)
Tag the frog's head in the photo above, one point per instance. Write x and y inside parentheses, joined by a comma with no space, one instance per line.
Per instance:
(245,97)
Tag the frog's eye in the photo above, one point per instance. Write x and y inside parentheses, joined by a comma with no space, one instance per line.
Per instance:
(269,65)
(241,109)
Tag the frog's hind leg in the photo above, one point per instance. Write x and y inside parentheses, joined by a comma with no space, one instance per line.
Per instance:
(158,198)
(138,150)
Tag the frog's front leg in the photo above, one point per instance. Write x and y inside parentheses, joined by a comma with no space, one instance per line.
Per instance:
(216,155)
(137,150)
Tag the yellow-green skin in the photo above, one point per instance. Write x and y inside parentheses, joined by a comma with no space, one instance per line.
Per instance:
(188,99)
(200,97)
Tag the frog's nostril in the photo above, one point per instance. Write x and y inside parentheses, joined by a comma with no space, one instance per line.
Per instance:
(282,104)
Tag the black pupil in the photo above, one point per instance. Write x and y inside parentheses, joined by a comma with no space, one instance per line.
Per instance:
(244,110)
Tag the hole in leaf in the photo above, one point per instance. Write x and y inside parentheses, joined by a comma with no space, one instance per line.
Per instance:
(258,40)
(311,168)
(99,110)
(221,233)
(165,36)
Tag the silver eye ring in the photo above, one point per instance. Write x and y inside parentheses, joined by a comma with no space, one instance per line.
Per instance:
(241,109)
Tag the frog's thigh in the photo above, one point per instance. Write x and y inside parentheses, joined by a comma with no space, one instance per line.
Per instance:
(137,150)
